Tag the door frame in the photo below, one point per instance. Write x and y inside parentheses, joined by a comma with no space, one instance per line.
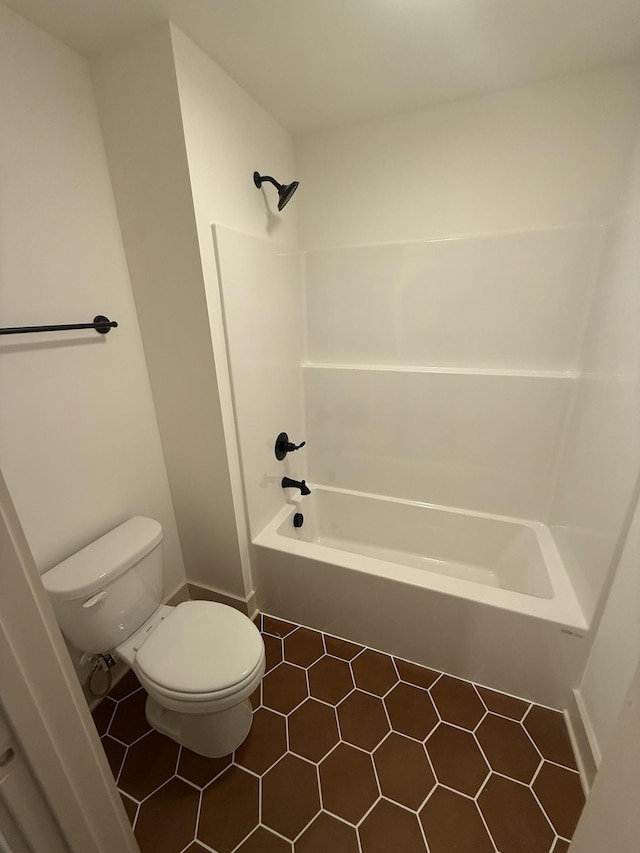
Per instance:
(43,702)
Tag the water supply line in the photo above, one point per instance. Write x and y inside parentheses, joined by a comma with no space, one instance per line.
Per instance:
(102,663)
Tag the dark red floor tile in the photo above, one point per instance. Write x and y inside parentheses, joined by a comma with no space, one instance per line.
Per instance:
(327,835)
(348,783)
(290,796)
(515,820)
(341,648)
(284,687)
(102,715)
(362,719)
(414,674)
(457,760)
(303,647)
(500,703)
(549,732)
(388,827)
(150,762)
(411,711)
(404,772)
(457,702)
(199,769)
(229,811)
(265,743)
(313,730)
(508,748)
(374,672)
(452,822)
(560,792)
(166,821)
(330,680)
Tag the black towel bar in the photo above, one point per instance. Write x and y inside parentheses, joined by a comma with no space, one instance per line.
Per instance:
(100,324)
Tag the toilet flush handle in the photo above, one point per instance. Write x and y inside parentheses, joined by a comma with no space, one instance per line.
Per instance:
(95,599)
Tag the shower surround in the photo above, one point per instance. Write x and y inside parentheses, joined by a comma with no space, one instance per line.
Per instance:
(434,383)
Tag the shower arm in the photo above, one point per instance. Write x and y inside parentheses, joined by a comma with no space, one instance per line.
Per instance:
(263,178)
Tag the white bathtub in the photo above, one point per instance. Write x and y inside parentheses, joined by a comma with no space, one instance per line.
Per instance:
(482,597)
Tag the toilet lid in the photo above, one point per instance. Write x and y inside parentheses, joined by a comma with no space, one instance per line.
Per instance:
(201,647)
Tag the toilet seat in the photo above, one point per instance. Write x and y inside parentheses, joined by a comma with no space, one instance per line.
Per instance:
(201,652)
(173,698)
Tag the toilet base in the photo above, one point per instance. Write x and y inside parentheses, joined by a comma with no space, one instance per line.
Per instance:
(211,735)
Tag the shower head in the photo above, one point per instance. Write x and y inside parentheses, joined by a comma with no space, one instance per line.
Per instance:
(285,191)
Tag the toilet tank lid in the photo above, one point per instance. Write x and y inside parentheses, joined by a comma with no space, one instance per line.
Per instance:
(93,567)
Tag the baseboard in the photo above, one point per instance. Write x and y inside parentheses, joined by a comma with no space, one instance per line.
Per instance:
(583,740)
(206,593)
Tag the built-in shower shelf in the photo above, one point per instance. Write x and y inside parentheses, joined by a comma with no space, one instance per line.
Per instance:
(462,371)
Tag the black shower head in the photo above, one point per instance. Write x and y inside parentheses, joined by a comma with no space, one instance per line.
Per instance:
(285,191)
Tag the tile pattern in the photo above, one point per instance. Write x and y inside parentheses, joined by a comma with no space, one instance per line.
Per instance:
(351,751)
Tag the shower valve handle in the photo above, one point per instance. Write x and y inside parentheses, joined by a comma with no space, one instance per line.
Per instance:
(284,446)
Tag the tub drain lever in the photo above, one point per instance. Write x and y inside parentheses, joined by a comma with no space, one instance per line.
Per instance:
(284,446)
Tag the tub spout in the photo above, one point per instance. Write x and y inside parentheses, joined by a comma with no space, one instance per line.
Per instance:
(288,483)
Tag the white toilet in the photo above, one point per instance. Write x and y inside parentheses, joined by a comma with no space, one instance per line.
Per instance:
(199,662)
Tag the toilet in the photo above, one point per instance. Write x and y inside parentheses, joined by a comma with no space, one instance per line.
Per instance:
(198,661)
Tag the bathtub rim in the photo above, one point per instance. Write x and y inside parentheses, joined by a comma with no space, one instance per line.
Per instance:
(563,609)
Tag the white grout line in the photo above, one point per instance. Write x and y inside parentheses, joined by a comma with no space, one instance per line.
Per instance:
(485,757)
(137,740)
(375,773)
(196,825)
(206,846)
(534,744)
(369,752)
(136,804)
(367,813)
(260,799)
(542,809)
(305,828)
(535,775)
(155,790)
(484,821)
(188,782)
(563,767)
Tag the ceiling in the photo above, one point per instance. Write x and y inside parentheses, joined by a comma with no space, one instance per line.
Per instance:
(322,63)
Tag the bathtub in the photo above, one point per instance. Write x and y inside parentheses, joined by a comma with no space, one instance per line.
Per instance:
(480,596)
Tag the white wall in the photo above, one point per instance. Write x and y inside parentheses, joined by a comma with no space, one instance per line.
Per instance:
(601,463)
(140,114)
(227,137)
(549,154)
(446,366)
(476,441)
(506,302)
(600,488)
(509,195)
(79,443)
(615,653)
(262,302)
(183,141)
(611,818)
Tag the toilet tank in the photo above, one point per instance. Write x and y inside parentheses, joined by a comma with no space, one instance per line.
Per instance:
(106,591)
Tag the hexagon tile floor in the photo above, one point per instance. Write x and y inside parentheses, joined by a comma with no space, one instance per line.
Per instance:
(351,751)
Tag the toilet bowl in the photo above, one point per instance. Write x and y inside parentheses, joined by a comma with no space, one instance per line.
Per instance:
(199,661)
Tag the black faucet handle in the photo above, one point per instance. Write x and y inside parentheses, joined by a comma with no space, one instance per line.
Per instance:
(284,446)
